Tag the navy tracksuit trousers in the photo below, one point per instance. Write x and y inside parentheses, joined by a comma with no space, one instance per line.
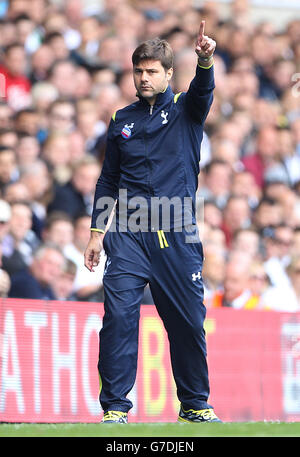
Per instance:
(172,267)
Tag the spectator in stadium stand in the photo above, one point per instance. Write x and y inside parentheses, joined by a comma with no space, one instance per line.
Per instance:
(244,185)
(84,83)
(213,273)
(57,44)
(285,297)
(8,138)
(43,95)
(41,62)
(236,215)
(20,242)
(247,240)
(27,149)
(27,33)
(276,264)
(284,236)
(273,264)
(76,197)
(109,98)
(259,282)
(214,237)
(37,281)
(61,116)
(16,192)
(288,166)
(275,190)
(58,230)
(27,121)
(8,167)
(62,75)
(7,32)
(88,123)
(265,155)
(36,9)
(87,285)
(91,29)
(5,216)
(38,180)
(4,279)
(212,214)
(56,152)
(63,287)
(236,293)
(14,82)
(77,146)
(228,152)
(6,116)
(268,213)
(217,182)
(57,21)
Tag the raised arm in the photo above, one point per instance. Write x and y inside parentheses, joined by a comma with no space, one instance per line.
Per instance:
(199,97)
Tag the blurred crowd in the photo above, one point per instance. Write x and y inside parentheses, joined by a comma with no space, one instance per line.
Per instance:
(65,67)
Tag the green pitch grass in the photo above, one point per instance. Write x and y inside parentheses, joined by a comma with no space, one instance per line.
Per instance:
(230,429)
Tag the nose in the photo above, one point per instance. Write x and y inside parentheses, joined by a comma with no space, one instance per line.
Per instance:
(144,76)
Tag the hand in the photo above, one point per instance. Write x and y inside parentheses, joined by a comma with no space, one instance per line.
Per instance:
(4,283)
(205,46)
(92,252)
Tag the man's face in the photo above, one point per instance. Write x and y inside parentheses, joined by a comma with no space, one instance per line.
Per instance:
(49,267)
(16,61)
(7,165)
(85,178)
(62,117)
(21,221)
(150,78)
(235,282)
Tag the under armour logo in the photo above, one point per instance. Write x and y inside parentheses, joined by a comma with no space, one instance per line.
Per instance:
(196,276)
(164,116)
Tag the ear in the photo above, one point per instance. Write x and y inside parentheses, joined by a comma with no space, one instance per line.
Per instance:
(169,73)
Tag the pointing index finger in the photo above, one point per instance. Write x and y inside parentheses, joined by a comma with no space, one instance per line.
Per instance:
(201,30)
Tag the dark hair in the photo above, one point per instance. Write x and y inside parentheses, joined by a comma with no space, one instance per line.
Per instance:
(57,216)
(12,46)
(155,49)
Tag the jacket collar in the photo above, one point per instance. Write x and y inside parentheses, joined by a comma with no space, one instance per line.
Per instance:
(161,98)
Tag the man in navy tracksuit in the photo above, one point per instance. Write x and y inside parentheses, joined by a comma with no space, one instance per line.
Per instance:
(151,170)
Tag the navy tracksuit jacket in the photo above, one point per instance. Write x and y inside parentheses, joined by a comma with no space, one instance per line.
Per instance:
(154,152)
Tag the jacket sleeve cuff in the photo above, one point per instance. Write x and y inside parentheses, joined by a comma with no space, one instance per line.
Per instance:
(97,230)
(205,68)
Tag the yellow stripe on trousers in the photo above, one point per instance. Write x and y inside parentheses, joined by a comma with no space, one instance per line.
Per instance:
(162,239)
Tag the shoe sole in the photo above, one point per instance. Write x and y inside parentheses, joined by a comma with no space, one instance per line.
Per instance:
(186,421)
(112,422)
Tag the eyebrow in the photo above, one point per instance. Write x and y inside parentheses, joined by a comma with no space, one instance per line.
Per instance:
(145,69)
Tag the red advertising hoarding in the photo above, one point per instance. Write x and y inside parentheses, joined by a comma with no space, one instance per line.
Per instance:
(49,354)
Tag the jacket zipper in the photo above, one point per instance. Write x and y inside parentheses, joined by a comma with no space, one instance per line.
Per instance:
(146,150)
